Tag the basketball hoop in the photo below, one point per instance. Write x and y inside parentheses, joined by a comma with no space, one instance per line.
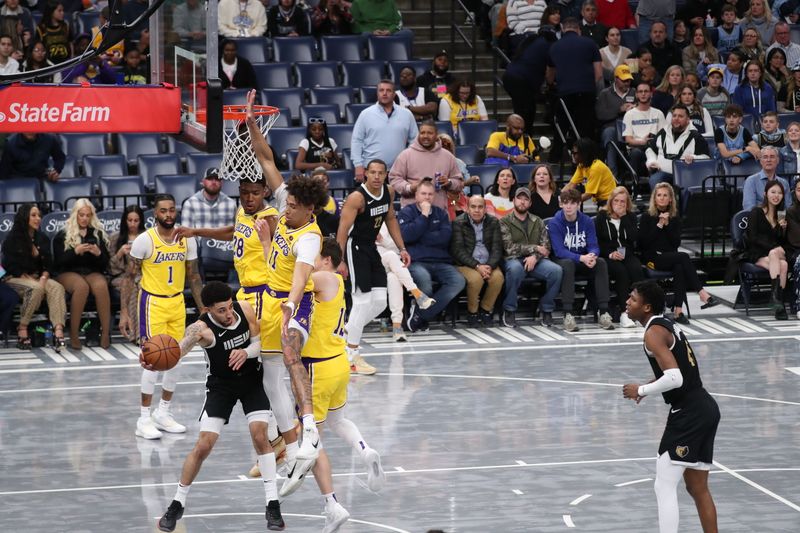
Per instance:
(238,157)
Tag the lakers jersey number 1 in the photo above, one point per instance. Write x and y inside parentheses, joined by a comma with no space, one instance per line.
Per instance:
(164,271)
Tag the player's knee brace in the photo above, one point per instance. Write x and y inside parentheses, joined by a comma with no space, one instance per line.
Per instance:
(170,378)
(149,381)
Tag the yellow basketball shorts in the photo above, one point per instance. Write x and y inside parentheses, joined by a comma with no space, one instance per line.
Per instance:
(272,319)
(161,314)
(329,379)
(254,296)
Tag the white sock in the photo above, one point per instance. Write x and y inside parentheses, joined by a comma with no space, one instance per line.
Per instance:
(266,462)
(182,493)
(163,406)
(144,412)
(352,353)
(272,426)
(668,476)
(308,421)
(329,498)
(291,451)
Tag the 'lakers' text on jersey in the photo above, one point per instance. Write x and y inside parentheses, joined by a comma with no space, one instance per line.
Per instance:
(684,356)
(248,255)
(164,269)
(282,257)
(367,224)
(226,339)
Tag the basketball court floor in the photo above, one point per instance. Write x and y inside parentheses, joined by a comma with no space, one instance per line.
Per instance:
(490,430)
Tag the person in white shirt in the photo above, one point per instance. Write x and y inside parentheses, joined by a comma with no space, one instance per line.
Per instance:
(241,18)
(783,40)
(8,65)
(641,124)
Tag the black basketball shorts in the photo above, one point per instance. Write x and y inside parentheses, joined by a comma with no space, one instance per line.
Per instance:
(222,395)
(690,431)
(366,269)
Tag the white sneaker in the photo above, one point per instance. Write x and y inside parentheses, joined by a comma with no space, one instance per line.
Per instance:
(309,448)
(146,429)
(569,323)
(335,516)
(164,421)
(376,477)
(605,321)
(296,476)
(625,321)
(399,335)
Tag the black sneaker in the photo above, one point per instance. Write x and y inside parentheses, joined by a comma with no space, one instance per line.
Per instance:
(274,519)
(472,320)
(547,319)
(509,319)
(486,318)
(171,517)
(413,320)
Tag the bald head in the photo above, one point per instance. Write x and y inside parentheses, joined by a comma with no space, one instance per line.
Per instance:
(476,208)
(515,125)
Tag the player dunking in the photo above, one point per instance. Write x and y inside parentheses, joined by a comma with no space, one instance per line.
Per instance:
(687,446)
(328,368)
(229,336)
(366,209)
(161,260)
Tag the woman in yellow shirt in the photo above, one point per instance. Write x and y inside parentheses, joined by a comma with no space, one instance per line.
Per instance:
(591,173)
(462,103)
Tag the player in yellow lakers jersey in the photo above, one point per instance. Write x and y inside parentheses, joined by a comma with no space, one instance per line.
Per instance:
(159,265)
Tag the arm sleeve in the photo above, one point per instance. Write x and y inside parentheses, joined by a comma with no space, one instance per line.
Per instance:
(191,249)
(142,246)
(306,249)
(303,144)
(672,379)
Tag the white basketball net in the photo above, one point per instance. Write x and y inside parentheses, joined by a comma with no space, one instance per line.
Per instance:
(238,158)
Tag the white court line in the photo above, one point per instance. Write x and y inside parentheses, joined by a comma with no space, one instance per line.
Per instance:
(295,515)
(633,482)
(754,327)
(533,330)
(478,337)
(128,352)
(757,486)
(517,492)
(342,474)
(242,477)
(54,356)
(91,387)
(64,353)
(32,361)
(519,336)
(521,463)
(578,500)
(709,327)
(88,352)
(103,354)
(568,520)
(794,369)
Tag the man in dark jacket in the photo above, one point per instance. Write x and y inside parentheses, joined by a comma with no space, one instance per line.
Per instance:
(527,249)
(665,53)
(27,155)
(287,19)
(426,233)
(477,249)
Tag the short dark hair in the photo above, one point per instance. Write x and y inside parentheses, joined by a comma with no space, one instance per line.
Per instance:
(683,107)
(330,248)
(377,162)
(308,191)
(733,109)
(570,195)
(727,8)
(215,292)
(163,197)
(429,122)
(652,294)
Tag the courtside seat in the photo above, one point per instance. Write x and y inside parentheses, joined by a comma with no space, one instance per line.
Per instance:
(6,222)
(19,190)
(132,186)
(476,132)
(110,219)
(54,222)
(388,48)
(317,74)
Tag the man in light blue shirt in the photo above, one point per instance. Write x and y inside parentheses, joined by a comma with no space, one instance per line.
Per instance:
(381,131)
(753,192)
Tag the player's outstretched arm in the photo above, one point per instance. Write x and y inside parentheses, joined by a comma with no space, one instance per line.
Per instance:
(196,333)
(261,147)
(195,282)
(130,282)
(224,233)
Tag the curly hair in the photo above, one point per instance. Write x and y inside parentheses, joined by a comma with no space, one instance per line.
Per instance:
(72,236)
(308,192)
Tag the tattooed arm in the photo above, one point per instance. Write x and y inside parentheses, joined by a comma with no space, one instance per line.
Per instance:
(130,282)
(195,283)
(292,343)
(197,333)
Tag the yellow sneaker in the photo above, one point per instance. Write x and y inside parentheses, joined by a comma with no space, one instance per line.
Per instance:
(359,366)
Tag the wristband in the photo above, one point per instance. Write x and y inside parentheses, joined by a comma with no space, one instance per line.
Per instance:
(402,250)
(292,305)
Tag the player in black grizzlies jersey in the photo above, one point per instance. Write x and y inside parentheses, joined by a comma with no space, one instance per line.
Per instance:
(229,335)
(687,446)
(364,212)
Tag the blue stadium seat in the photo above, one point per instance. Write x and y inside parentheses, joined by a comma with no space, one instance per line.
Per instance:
(174,146)
(151,166)
(341,179)
(749,273)
(368,94)
(254,49)
(327,112)
(444,126)
(85,21)
(273,75)
(784,119)
(342,134)
(476,131)
(150,218)
(230,187)
(317,74)
(197,164)
(110,219)
(81,144)
(283,139)
(291,158)
(420,66)
(216,259)
(105,165)
(485,172)
(689,176)
(181,186)
(121,185)
(20,190)
(388,48)
(132,145)
(747,121)
(362,73)
(284,119)
(523,171)
(54,222)
(293,49)
(70,169)
(6,221)
(235,96)
(292,98)
(630,38)
(332,95)
(351,112)
(748,167)
(62,189)
(468,153)
(341,48)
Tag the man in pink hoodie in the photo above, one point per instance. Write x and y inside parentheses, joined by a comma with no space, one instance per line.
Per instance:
(425,158)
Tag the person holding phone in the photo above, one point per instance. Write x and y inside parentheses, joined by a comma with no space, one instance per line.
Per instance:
(81,258)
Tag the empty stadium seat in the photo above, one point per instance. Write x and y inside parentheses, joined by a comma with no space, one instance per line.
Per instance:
(362,73)
(197,164)
(332,95)
(149,218)
(70,169)
(174,146)
(388,48)
(468,153)
(748,167)
(180,186)
(476,131)
(230,187)
(254,49)
(368,94)
(62,189)
(341,48)
(216,259)
(53,222)
(317,74)
(291,158)
(19,190)
(132,186)
(688,176)
(273,75)
(784,119)
(284,120)
(151,166)
(342,134)
(81,144)
(291,98)
(351,111)
(485,172)
(420,66)
(235,96)
(340,179)
(283,139)
(110,219)
(132,145)
(105,165)
(293,49)
(328,112)
(630,38)
(443,126)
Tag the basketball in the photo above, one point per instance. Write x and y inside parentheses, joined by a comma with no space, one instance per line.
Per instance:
(161,351)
